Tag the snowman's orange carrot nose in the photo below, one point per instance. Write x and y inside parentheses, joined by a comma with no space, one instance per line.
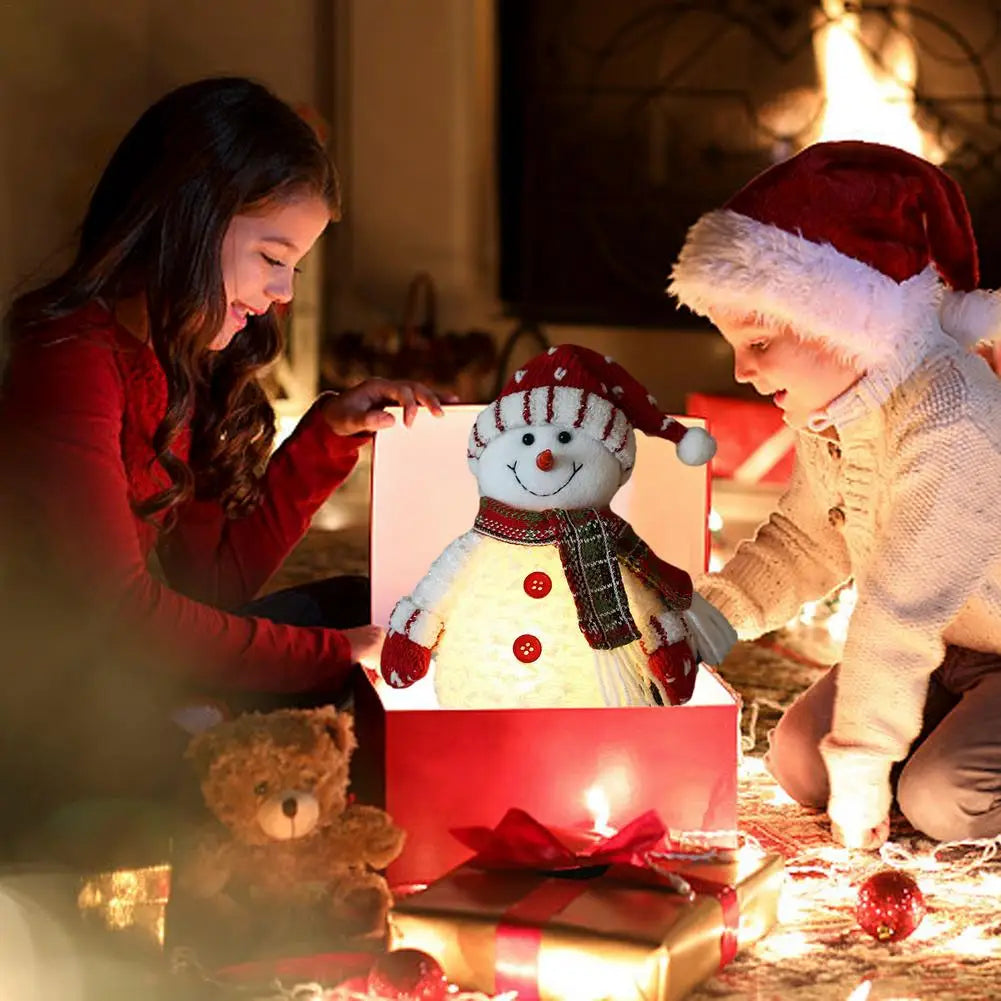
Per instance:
(544,460)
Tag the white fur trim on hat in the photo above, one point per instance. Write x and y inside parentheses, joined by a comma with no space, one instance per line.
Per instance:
(565,406)
(971,316)
(736,264)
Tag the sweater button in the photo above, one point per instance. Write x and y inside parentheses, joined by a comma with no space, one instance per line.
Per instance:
(836,516)
(527,648)
(538,584)
(834,450)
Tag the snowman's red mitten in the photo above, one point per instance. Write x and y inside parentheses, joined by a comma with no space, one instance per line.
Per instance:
(406,653)
(672,665)
(404,662)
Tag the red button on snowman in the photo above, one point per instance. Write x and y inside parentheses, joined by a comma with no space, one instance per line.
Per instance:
(552,600)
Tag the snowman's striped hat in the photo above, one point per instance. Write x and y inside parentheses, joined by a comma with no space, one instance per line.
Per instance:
(576,387)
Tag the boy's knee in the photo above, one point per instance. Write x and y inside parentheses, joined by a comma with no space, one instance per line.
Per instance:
(932,798)
(795,762)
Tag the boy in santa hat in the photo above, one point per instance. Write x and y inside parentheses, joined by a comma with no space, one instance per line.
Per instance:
(845,280)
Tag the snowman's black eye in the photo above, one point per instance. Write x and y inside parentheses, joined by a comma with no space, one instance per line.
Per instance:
(528,438)
(564,437)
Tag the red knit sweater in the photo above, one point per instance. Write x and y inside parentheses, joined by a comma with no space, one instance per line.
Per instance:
(77,416)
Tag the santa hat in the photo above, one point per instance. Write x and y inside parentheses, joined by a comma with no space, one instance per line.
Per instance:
(856,244)
(575,387)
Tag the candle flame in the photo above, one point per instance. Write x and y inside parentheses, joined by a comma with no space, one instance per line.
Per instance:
(598,806)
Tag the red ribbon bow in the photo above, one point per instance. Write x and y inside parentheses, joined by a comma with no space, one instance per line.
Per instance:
(519,841)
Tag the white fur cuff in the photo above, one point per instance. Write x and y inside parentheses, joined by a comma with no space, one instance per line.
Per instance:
(416,623)
(669,628)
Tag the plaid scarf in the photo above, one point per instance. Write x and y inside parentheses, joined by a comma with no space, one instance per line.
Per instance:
(592,543)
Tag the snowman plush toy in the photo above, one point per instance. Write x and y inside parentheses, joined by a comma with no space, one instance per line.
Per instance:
(552,600)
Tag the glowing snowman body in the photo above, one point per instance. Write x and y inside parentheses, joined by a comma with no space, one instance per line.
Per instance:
(512,638)
(514,600)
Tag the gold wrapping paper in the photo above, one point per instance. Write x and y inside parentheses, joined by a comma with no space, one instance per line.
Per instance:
(129,899)
(612,941)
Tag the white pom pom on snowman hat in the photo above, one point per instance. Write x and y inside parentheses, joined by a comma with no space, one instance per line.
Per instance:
(696,447)
(575,387)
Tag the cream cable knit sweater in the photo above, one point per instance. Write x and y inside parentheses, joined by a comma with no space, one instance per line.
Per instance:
(899,486)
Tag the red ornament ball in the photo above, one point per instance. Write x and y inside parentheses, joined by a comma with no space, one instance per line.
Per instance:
(407,975)
(890,905)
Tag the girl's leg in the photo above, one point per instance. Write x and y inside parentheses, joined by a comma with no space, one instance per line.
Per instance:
(950,788)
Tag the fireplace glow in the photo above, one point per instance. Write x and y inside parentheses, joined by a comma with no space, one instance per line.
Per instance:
(869,95)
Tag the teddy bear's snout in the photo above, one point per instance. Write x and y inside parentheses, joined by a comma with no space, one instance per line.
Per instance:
(288,814)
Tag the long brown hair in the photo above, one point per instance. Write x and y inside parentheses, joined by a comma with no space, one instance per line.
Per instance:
(154,227)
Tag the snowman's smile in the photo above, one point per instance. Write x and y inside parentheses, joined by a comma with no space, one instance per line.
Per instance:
(577,467)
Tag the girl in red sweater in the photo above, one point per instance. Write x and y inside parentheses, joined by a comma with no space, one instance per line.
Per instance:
(133,429)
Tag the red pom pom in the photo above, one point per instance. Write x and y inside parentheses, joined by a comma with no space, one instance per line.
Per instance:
(407,975)
(890,905)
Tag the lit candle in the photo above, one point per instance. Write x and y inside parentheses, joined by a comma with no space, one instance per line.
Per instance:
(600,809)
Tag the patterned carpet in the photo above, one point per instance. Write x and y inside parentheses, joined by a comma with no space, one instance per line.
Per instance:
(818,952)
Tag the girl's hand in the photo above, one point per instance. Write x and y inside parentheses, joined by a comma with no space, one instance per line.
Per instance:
(361,407)
(366,644)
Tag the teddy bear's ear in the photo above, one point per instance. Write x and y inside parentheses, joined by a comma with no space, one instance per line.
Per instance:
(202,750)
(340,729)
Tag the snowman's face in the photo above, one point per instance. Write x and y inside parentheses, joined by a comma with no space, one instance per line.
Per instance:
(548,466)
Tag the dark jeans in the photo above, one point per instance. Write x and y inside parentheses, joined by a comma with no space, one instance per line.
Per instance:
(334,603)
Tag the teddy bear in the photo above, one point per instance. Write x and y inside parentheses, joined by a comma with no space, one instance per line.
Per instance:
(286,856)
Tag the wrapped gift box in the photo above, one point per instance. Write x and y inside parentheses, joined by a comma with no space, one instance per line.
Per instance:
(433,769)
(755,444)
(623,935)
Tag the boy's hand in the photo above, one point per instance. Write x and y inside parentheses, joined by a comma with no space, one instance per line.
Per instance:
(361,408)
(990,351)
(869,839)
